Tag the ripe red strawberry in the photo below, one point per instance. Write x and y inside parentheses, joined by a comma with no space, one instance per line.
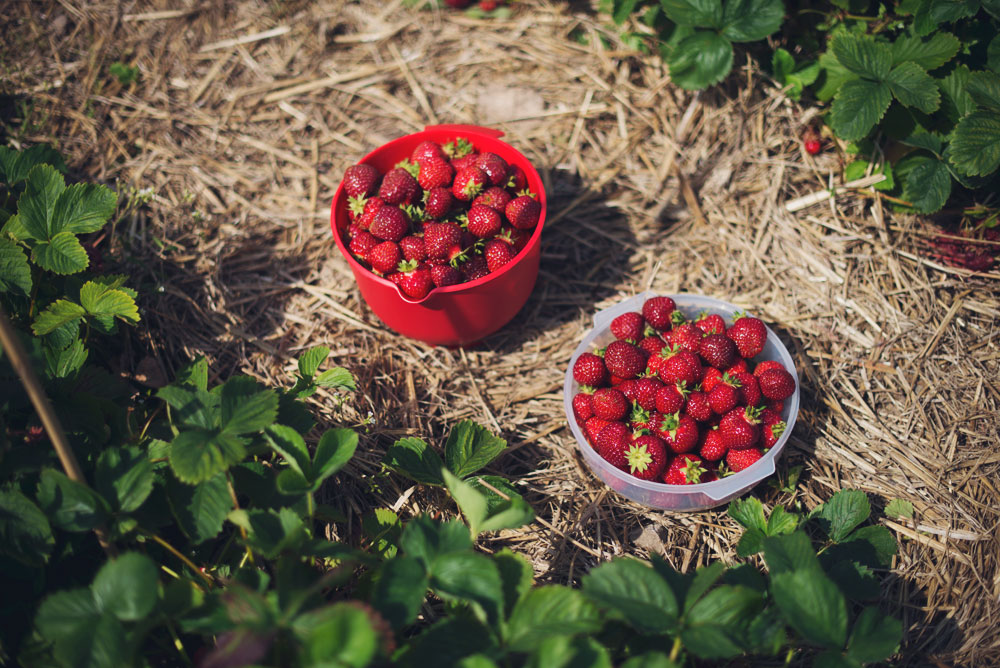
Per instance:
(390,223)
(713,448)
(749,388)
(427,150)
(658,311)
(624,360)
(589,369)
(764,365)
(646,458)
(362,243)
(671,398)
(488,5)
(725,396)
(771,427)
(738,460)
(517,239)
(711,378)
(679,432)
(680,366)
(494,197)
(384,257)
(609,403)
(628,327)
(361,180)
(626,387)
(593,427)
(685,469)
(475,268)
(749,335)
(646,390)
(638,419)
(468,183)
(612,443)
(775,405)
(413,248)
(776,384)
(686,336)
(517,180)
(718,351)
(812,146)
(698,407)
(583,409)
(494,166)
(414,279)
(711,323)
(484,222)
(523,212)
(497,253)
(444,274)
(442,241)
(652,345)
(399,187)
(438,202)
(372,205)
(435,174)
(739,365)
(740,428)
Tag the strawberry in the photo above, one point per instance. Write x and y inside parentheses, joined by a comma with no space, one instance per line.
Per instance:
(737,460)
(484,221)
(426,151)
(725,396)
(627,387)
(444,274)
(384,257)
(389,223)
(749,334)
(438,202)
(609,403)
(624,359)
(710,323)
(361,180)
(646,457)
(739,365)
(749,388)
(812,146)
(442,241)
(589,369)
(613,442)
(775,405)
(712,446)
(517,239)
(658,311)
(583,409)
(698,407)
(646,390)
(771,427)
(628,326)
(679,432)
(497,253)
(686,336)
(653,345)
(494,166)
(435,174)
(517,180)
(593,427)
(685,469)
(475,268)
(740,428)
(523,212)
(362,243)
(372,205)
(711,378)
(399,187)
(764,365)
(494,197)
(680,366)
(776,384)
(413,279)
(718,351)
(488,5)
(413,248)
(468,183)
(638,419)
(671,398)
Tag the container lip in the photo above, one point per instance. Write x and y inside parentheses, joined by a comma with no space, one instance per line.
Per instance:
(466,131)
(717,490)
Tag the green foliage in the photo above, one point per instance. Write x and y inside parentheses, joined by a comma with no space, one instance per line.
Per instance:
(124,73)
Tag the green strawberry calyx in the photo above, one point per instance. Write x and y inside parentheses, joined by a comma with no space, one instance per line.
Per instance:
(638,458)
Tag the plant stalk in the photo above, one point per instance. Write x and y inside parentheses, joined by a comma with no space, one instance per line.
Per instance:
(22,366)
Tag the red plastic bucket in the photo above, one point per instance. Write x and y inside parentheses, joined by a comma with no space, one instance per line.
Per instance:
(456,314)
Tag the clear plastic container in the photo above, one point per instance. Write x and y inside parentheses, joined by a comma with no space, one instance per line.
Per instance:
(678,497)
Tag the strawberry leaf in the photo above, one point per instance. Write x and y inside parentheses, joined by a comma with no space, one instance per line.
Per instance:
(984,87)
(15,274)
(863,56)
(470,447)
(911,85)
(70,505)
(400,590)
(125,477)
(858,105)
(25,533)
(246,406)
(711,626)
(62,254)
(751,20)
(413,458)
(200,510)
(83,208)
(199,455)
(547,611)
(694,13)
(55,315)
(472,578)
(875,636)
(634,590)
(899,508)
(15,165)
(36,206)
(337,378)
(310,360)
(700,60)
(929,54)
(812,605)
(104,305)
(126,587)
(270,532)
(926,182)
(291,446)
(843,512)
(334,450)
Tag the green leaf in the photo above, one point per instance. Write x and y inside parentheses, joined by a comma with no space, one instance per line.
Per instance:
(25,534)
(83,208)
(751,20)
(470,502)
(862,55)
(192,407)
(104,305)
(470,447)
(337,635)
(292,447)
(993,54)
(955,99)
(925,140)
(781,522)
(270,532)
(700,60)
(879,539)
(704,578)
(198,455)
(791,552)
(310,360)
(749,512)
(36,206)
(984,87)
(62,254)
(126,587)
(567,652)
(336,447)
(55,315)
(751,542)
(63,612)
(546,611)
(931,14)
(833,659)
(929,54)
(400,590)
(812,605)
(472,578)
(15,165)
(99,642)
(725,606)
(493,500)
(194,374)
(694,13)
(857,107)
(70,505)
(516,574)
(66,362)
(899,508)
(382,528)
(426,539)
(451,641)
(875,636)
(912,86)
(416,460)
(124,476)
(834,76)
(926,182)
(650,660)
(634,590)
(200,510)
(337,378)
(508,515)
(843,512)
(622,10)
(15,274)
(247,407)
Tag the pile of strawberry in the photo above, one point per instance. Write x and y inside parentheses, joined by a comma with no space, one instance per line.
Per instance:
(447,215)
(679,401)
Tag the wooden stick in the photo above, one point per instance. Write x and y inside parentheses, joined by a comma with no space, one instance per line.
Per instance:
(823,195)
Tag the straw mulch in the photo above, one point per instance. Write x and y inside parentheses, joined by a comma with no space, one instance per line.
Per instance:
(245,114)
